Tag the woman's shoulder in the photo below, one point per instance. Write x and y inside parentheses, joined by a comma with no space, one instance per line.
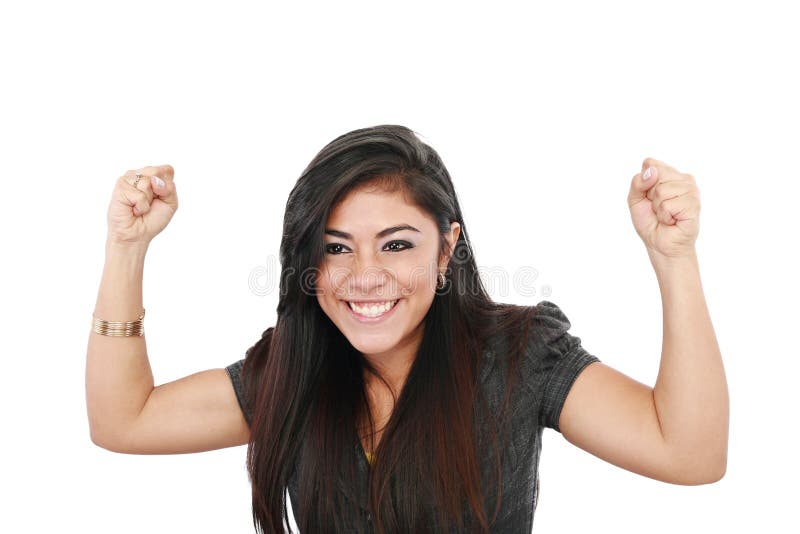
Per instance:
(546,358)
(536,337)
(543,323)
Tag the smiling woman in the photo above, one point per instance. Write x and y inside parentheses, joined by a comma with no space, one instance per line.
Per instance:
(393,394)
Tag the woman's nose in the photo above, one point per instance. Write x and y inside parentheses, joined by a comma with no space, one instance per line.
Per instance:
(367,273)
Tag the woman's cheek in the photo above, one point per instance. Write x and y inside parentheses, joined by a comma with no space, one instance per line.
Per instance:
(415,280)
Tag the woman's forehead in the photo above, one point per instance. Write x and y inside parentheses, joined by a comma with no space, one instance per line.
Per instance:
(363,211)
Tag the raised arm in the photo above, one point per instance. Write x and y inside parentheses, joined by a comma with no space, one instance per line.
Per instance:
(126,412)
(676,431)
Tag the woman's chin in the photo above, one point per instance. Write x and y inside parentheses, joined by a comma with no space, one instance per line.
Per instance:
(371,346)
(376,342)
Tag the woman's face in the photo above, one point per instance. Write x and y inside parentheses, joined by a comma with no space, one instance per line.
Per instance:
(381,254)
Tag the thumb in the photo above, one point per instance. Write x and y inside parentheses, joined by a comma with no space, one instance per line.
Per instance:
(164,185)
(641,207)
(640,184)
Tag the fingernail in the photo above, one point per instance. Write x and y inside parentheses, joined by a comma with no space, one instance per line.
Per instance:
(647,173)
(159,182)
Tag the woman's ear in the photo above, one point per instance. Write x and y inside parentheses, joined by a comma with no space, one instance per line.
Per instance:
(452,239)
(455,231)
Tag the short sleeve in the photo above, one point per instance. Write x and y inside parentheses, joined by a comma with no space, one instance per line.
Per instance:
(554,359)
(235,373)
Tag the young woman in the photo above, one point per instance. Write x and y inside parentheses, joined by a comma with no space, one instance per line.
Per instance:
(393,394)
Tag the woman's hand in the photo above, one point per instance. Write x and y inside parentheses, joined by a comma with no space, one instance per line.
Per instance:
(665,209)
(137,214)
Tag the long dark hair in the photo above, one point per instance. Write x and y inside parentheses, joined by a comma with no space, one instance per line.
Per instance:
(305,380)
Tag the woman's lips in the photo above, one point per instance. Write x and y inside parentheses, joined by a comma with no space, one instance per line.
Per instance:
(364,319)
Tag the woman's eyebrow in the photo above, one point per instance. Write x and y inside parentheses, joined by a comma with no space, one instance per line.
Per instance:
(382,233)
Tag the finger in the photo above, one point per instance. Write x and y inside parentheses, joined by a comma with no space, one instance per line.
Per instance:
(165,188)
(677,209)
(139,201)
(162,183)
(640,185)
(137,197)
(666,173)
(157,175)
(158,185)
(143,182)
(653,162)
(654,172)
(165,172)
(666,190)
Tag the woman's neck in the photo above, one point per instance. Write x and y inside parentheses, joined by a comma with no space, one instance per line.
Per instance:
(393,365)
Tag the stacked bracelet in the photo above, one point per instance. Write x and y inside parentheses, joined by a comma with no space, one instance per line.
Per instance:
(119,328)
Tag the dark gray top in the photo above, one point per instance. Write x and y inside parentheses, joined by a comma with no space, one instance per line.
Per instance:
(553,359)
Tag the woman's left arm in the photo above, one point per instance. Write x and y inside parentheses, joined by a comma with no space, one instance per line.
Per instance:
(676,431)
(691,392)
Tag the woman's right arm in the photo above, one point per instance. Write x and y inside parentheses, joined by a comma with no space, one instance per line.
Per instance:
(126,412)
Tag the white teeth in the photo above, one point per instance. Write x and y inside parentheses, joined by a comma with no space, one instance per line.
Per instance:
(372,310)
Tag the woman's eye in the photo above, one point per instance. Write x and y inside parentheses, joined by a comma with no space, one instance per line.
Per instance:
(332,246)
(404,245)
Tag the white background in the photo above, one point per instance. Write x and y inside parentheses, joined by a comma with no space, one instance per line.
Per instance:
(542,113)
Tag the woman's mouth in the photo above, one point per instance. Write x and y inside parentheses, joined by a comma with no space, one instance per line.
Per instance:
(371,312)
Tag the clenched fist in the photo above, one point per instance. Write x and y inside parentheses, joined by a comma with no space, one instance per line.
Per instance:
(665,209)
(138,213)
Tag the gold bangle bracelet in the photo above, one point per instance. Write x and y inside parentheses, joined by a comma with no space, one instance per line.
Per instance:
(119,328)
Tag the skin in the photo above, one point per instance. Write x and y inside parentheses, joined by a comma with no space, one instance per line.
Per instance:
(365,267)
